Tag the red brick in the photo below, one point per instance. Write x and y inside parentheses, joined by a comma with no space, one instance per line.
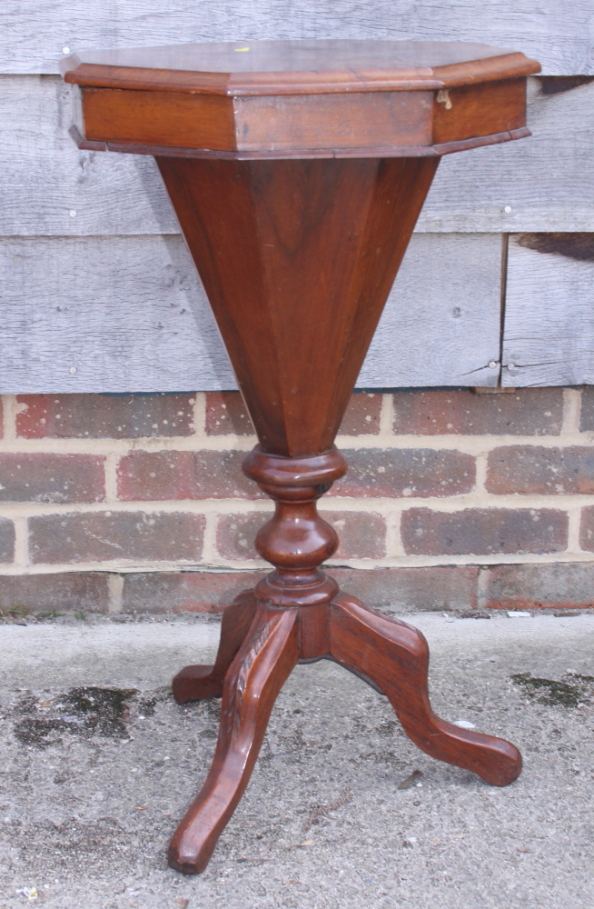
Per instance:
(482,531)
(406,472)
(107,536)
(557,586)
(529,411)
(226,413)
(236,534)
(587,529)
(527,469)
(362,415)
(36,477)
(164,475)
(204,591)
(411,589)
(392,589)
(67,592)
(362,535)
(80,416)
(6,540)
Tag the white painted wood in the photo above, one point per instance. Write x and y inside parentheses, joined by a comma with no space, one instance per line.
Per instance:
(549,322)
(34,32)
(129,314)
(45,177)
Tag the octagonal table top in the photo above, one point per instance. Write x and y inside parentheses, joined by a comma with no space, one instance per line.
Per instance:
(300,98)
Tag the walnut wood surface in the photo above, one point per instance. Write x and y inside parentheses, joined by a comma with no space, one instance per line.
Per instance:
(196,682)
(297,258)
(296,540)
(300,98)
(256,675)
(390,655)
(395,656)
(278,67)
(314,246)
(377,124)
(437,149)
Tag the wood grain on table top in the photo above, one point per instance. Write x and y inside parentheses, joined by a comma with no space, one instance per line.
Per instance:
(240,68)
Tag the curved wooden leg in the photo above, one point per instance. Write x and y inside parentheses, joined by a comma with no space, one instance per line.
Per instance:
(255,677)
(395,656)
(194,683)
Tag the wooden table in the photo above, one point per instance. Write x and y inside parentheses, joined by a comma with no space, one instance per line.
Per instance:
(298,170)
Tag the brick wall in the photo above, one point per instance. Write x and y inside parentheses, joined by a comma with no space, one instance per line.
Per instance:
(455,499)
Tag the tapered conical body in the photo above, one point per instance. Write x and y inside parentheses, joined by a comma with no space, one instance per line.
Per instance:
(297,258)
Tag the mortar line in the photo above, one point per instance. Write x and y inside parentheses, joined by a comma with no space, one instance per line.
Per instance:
(21,543)
(115,587)
(199,415)
(111,477)
(455,504)
(394,547)
(481,473)
(482,586)
(387,416)
(209,544)
(466,444)
(573,529)
(180,567)
(571,411)
(9,405)
(155,506)
(380,505)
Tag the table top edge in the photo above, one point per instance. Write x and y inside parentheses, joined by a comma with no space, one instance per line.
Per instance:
(82,69)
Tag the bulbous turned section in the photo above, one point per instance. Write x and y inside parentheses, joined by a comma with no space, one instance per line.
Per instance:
(296,540)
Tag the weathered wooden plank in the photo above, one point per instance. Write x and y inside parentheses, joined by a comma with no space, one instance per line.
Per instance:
(45,177)
(549,318)
(48,187)
(105,315)
(544,182)
(442,321)
(129,314)
(34,33)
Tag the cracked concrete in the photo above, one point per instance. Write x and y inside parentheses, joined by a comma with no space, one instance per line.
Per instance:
(87,804)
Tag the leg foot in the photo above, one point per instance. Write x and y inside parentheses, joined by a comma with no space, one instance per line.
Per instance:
(395,656)
(194,683)
(255,677)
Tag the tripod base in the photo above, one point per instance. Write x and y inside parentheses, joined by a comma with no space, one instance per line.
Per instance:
(259,647)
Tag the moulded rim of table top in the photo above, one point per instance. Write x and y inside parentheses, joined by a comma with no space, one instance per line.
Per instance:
(297,67)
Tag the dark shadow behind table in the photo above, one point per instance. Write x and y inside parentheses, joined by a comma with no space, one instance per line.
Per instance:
(297,170)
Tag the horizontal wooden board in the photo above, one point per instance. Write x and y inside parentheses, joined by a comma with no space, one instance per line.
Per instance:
(129,314)
(105,315)
(45,177)
(549,321)
(544,182)
(35,32)
(48,187)
(441,325)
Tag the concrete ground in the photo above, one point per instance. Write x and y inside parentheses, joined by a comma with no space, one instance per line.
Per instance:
(93,782)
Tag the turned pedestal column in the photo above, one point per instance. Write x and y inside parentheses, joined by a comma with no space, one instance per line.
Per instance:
(297,171)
